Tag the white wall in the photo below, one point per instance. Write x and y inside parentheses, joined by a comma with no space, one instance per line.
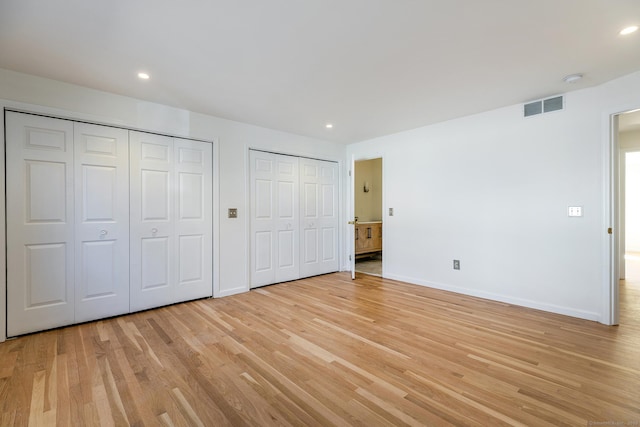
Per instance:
(234,140)
(492,190)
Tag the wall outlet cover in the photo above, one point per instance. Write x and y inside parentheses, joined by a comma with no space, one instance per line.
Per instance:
(574,211)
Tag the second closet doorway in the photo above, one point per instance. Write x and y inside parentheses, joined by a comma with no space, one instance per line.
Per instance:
(294,217)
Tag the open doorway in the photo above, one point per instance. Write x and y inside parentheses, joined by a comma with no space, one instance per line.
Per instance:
(628,138)
(368,216)
(632,215)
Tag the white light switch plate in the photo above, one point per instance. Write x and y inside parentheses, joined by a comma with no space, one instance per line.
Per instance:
(575,210)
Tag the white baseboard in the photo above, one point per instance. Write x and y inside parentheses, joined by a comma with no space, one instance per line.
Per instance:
(552,308)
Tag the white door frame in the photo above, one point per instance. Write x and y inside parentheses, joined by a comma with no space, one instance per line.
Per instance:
(610,314)
(611,306)
(351,226)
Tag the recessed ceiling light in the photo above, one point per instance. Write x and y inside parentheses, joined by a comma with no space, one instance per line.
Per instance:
(329,126)
(629,30)
(572,78)
(143,76)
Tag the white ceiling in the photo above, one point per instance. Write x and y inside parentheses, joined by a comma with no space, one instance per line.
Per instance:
(370,67)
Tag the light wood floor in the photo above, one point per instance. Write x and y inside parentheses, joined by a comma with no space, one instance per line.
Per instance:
(329,351)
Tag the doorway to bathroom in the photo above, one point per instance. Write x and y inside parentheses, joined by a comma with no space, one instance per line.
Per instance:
(368,215)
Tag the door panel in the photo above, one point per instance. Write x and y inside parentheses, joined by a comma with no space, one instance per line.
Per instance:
(329,244)
(46,191)
(40,223)
(98,269)
(275,253)
(310,247)
(286,196)
(155,195)
(193,225)
(263,248)
(152,241)
(191,193)
(286,246)
(263,196)
(171,213)
(155,262)
(101,165)
(191,250)
(287,218)
(99,192)
(319,246)
(46,278)
(263,224)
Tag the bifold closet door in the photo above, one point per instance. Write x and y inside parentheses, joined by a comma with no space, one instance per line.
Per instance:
(171,220)
(275,228)
(40,223)
(319,217)
(67,222)
(194,222)
(101,168)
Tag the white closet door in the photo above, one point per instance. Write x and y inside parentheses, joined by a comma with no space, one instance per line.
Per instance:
(40,223)
(319,217)
(102,221)
(275,235)
(193,227)
(151,221)
(171,220)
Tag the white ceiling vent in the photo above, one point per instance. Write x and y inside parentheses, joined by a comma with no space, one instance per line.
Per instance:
(544,106)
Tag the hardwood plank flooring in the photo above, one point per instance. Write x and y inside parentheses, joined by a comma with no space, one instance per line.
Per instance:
(329,351)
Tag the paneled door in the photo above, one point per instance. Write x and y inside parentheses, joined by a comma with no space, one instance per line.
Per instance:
(275,235)
(193,226)
(151,221)
(40,223)
(171,223)
(102,221)
(319,217)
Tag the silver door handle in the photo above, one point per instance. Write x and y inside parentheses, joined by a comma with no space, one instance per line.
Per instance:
(154,231)
(103,232)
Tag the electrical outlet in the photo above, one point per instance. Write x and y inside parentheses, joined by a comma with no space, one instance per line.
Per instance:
(390,211)
(233,212)
(456,264)
(574,211)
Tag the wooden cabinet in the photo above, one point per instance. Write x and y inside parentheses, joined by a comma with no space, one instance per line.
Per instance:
(368,237)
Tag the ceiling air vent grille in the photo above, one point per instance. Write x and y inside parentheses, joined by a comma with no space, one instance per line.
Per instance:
(544,106)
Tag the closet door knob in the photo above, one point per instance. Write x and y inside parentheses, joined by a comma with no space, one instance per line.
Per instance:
(154,231)
(103,233)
